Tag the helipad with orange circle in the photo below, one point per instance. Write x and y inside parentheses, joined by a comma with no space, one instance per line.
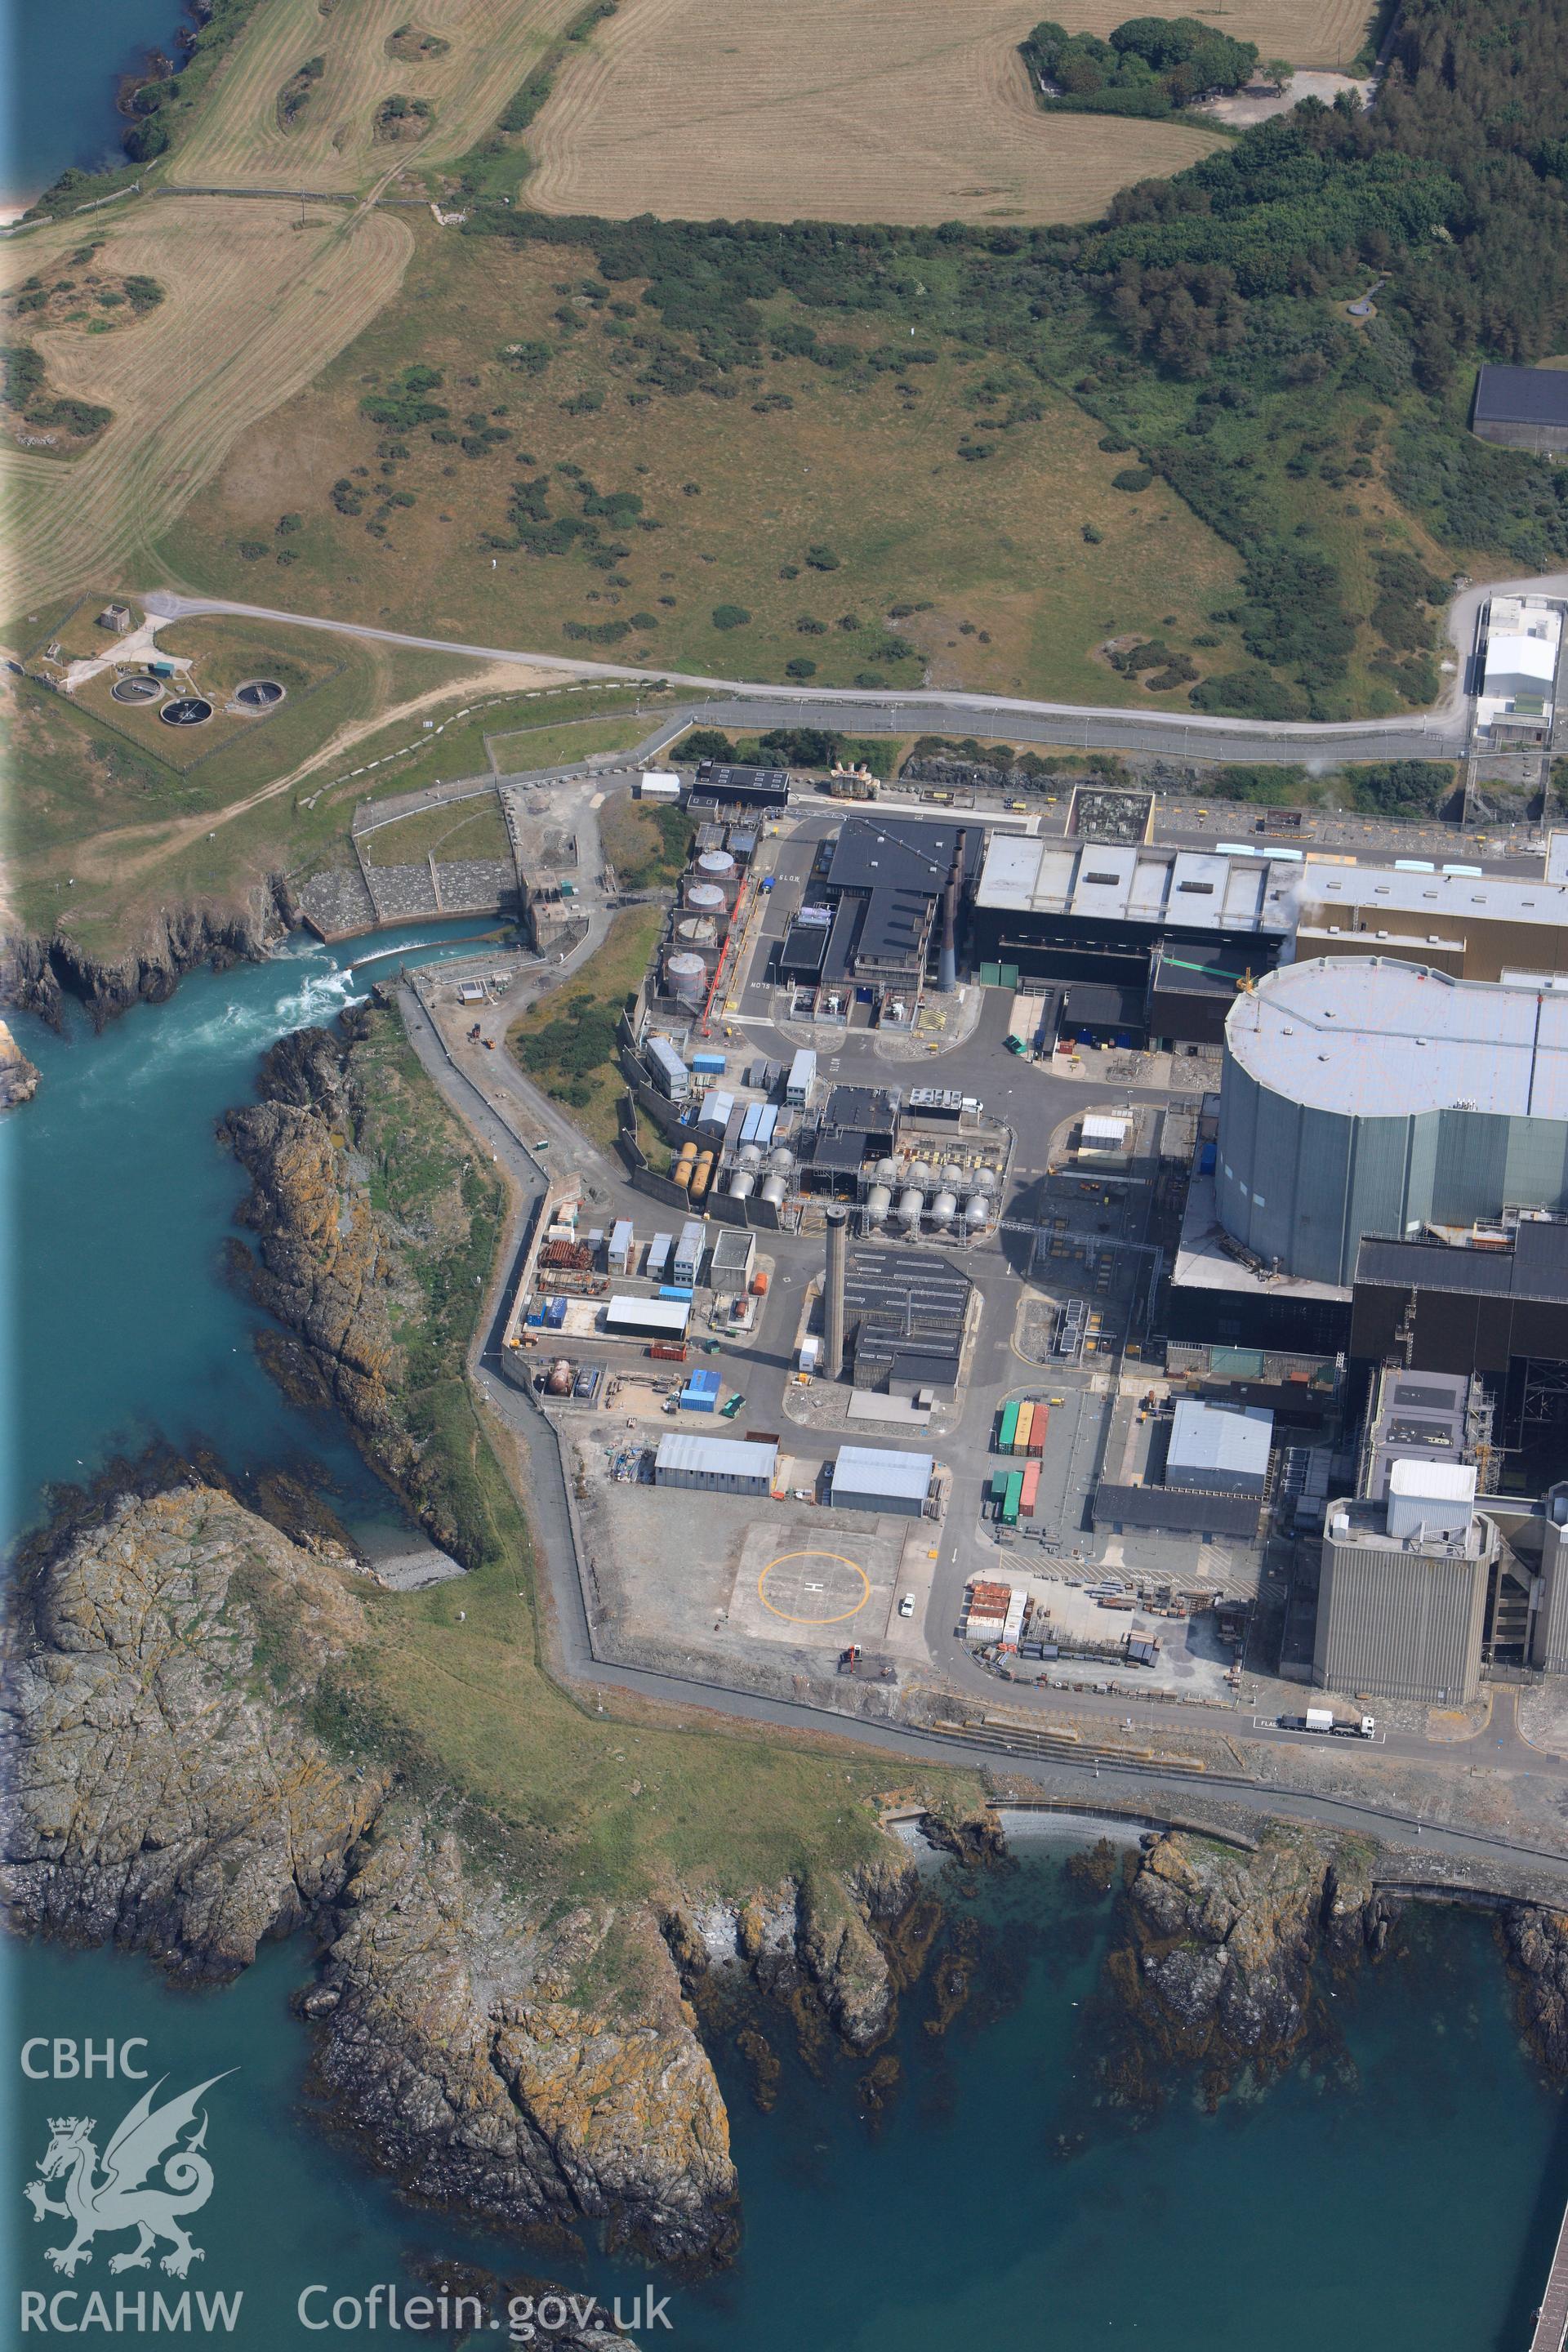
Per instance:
(813,1588)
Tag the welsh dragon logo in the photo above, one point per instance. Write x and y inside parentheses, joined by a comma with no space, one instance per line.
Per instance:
(122,2195)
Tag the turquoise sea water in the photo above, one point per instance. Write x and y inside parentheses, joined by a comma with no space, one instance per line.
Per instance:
(60,64)
(1405,2195)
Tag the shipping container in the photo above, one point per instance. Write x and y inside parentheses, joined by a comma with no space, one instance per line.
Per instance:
(1008,1430)
(1012,1499)
(1021,1433)
(675,1291)
(668,1351)
(1037,1428)
(1030,1495)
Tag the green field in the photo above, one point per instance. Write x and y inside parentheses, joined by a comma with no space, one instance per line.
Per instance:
(465,829)
(788,514)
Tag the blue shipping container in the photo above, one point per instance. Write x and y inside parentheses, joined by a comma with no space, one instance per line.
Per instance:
(675,1291)
(1205,1160)
(713,1065)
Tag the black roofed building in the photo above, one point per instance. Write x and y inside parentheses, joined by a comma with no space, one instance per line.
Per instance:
(886,876)
(905,1311)
(1523,408)
(754,789)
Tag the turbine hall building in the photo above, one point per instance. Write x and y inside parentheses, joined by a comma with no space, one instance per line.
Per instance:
(1384,1097)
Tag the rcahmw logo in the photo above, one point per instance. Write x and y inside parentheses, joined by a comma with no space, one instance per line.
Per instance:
(153,2173)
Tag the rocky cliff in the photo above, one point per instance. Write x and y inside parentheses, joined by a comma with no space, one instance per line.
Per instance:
(37,973)
(1214,1963)
(164,1662)
(18,1076)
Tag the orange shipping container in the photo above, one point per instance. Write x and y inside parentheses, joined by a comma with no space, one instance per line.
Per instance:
(1026,1500)
(1039,1427)
(1020,1435)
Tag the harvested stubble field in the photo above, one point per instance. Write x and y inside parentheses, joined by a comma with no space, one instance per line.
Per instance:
(835,110)
(253,307)
(329,143)
(982,569)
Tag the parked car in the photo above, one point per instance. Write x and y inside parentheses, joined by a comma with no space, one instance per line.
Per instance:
(907,1605)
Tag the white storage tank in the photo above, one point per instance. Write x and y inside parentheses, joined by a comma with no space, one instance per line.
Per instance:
(715,866)
(976,1212)
(878,1200)
(705,898)
(919,1173)
(775,1190)
(951,1177)
(984,1180)
(697,931)
(945,1208)
(742,1183)
(781,1161)
(887,1172)
(686,977)
(911,1203)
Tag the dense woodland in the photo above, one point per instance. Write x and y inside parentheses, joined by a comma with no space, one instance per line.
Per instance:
(1204,321)
(1151,65)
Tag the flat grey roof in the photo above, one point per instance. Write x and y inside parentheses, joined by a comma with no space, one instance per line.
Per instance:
(1384,1039)
(1490,897)
(727,1457)
(877,1470)
(1140,883)
(1218,1437)
(1522,396)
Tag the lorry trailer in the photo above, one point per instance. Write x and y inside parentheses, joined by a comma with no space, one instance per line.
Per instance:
(1324,1720)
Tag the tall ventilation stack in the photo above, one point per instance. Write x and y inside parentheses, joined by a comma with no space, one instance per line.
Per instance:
(947,961)
(833,1295)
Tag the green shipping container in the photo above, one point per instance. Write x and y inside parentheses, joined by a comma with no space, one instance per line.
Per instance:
(1012,1499)
(1009,1429)
(999,1484)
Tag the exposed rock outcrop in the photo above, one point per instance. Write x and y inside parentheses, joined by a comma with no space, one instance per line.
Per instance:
(1536,1944)
(166,1793)
(18,1076)
(37,972)
(1215,1960)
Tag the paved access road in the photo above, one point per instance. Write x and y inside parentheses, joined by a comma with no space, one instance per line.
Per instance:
(1438,734)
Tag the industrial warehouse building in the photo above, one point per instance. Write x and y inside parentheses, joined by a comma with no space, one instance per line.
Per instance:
(876,1478)
(875,922)
(905,1315)
(1401,1599)
(1219,1449)
(1380,1098)
(719,1465)
(1522,408)
(647,1319)
(1472,926)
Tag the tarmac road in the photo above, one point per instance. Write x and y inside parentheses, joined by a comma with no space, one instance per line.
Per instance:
(1441,733)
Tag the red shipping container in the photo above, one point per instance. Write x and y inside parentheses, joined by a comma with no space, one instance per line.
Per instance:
(1039,1427)
(1026,1500)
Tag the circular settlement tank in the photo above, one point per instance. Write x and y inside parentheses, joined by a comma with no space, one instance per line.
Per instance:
(686,977)
(976,1212)
(918,1172)
(138,687)
(887,1172)
(189,710)
(945,1208)
(742,1183)
(705,898)
(951,1177)
(911,1200)
(878,1200)
(774,1191)
(700,1174)
(260,694)
(558,1379)
(716,865)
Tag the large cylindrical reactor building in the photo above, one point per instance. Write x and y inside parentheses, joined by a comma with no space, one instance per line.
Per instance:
(1378,1098)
